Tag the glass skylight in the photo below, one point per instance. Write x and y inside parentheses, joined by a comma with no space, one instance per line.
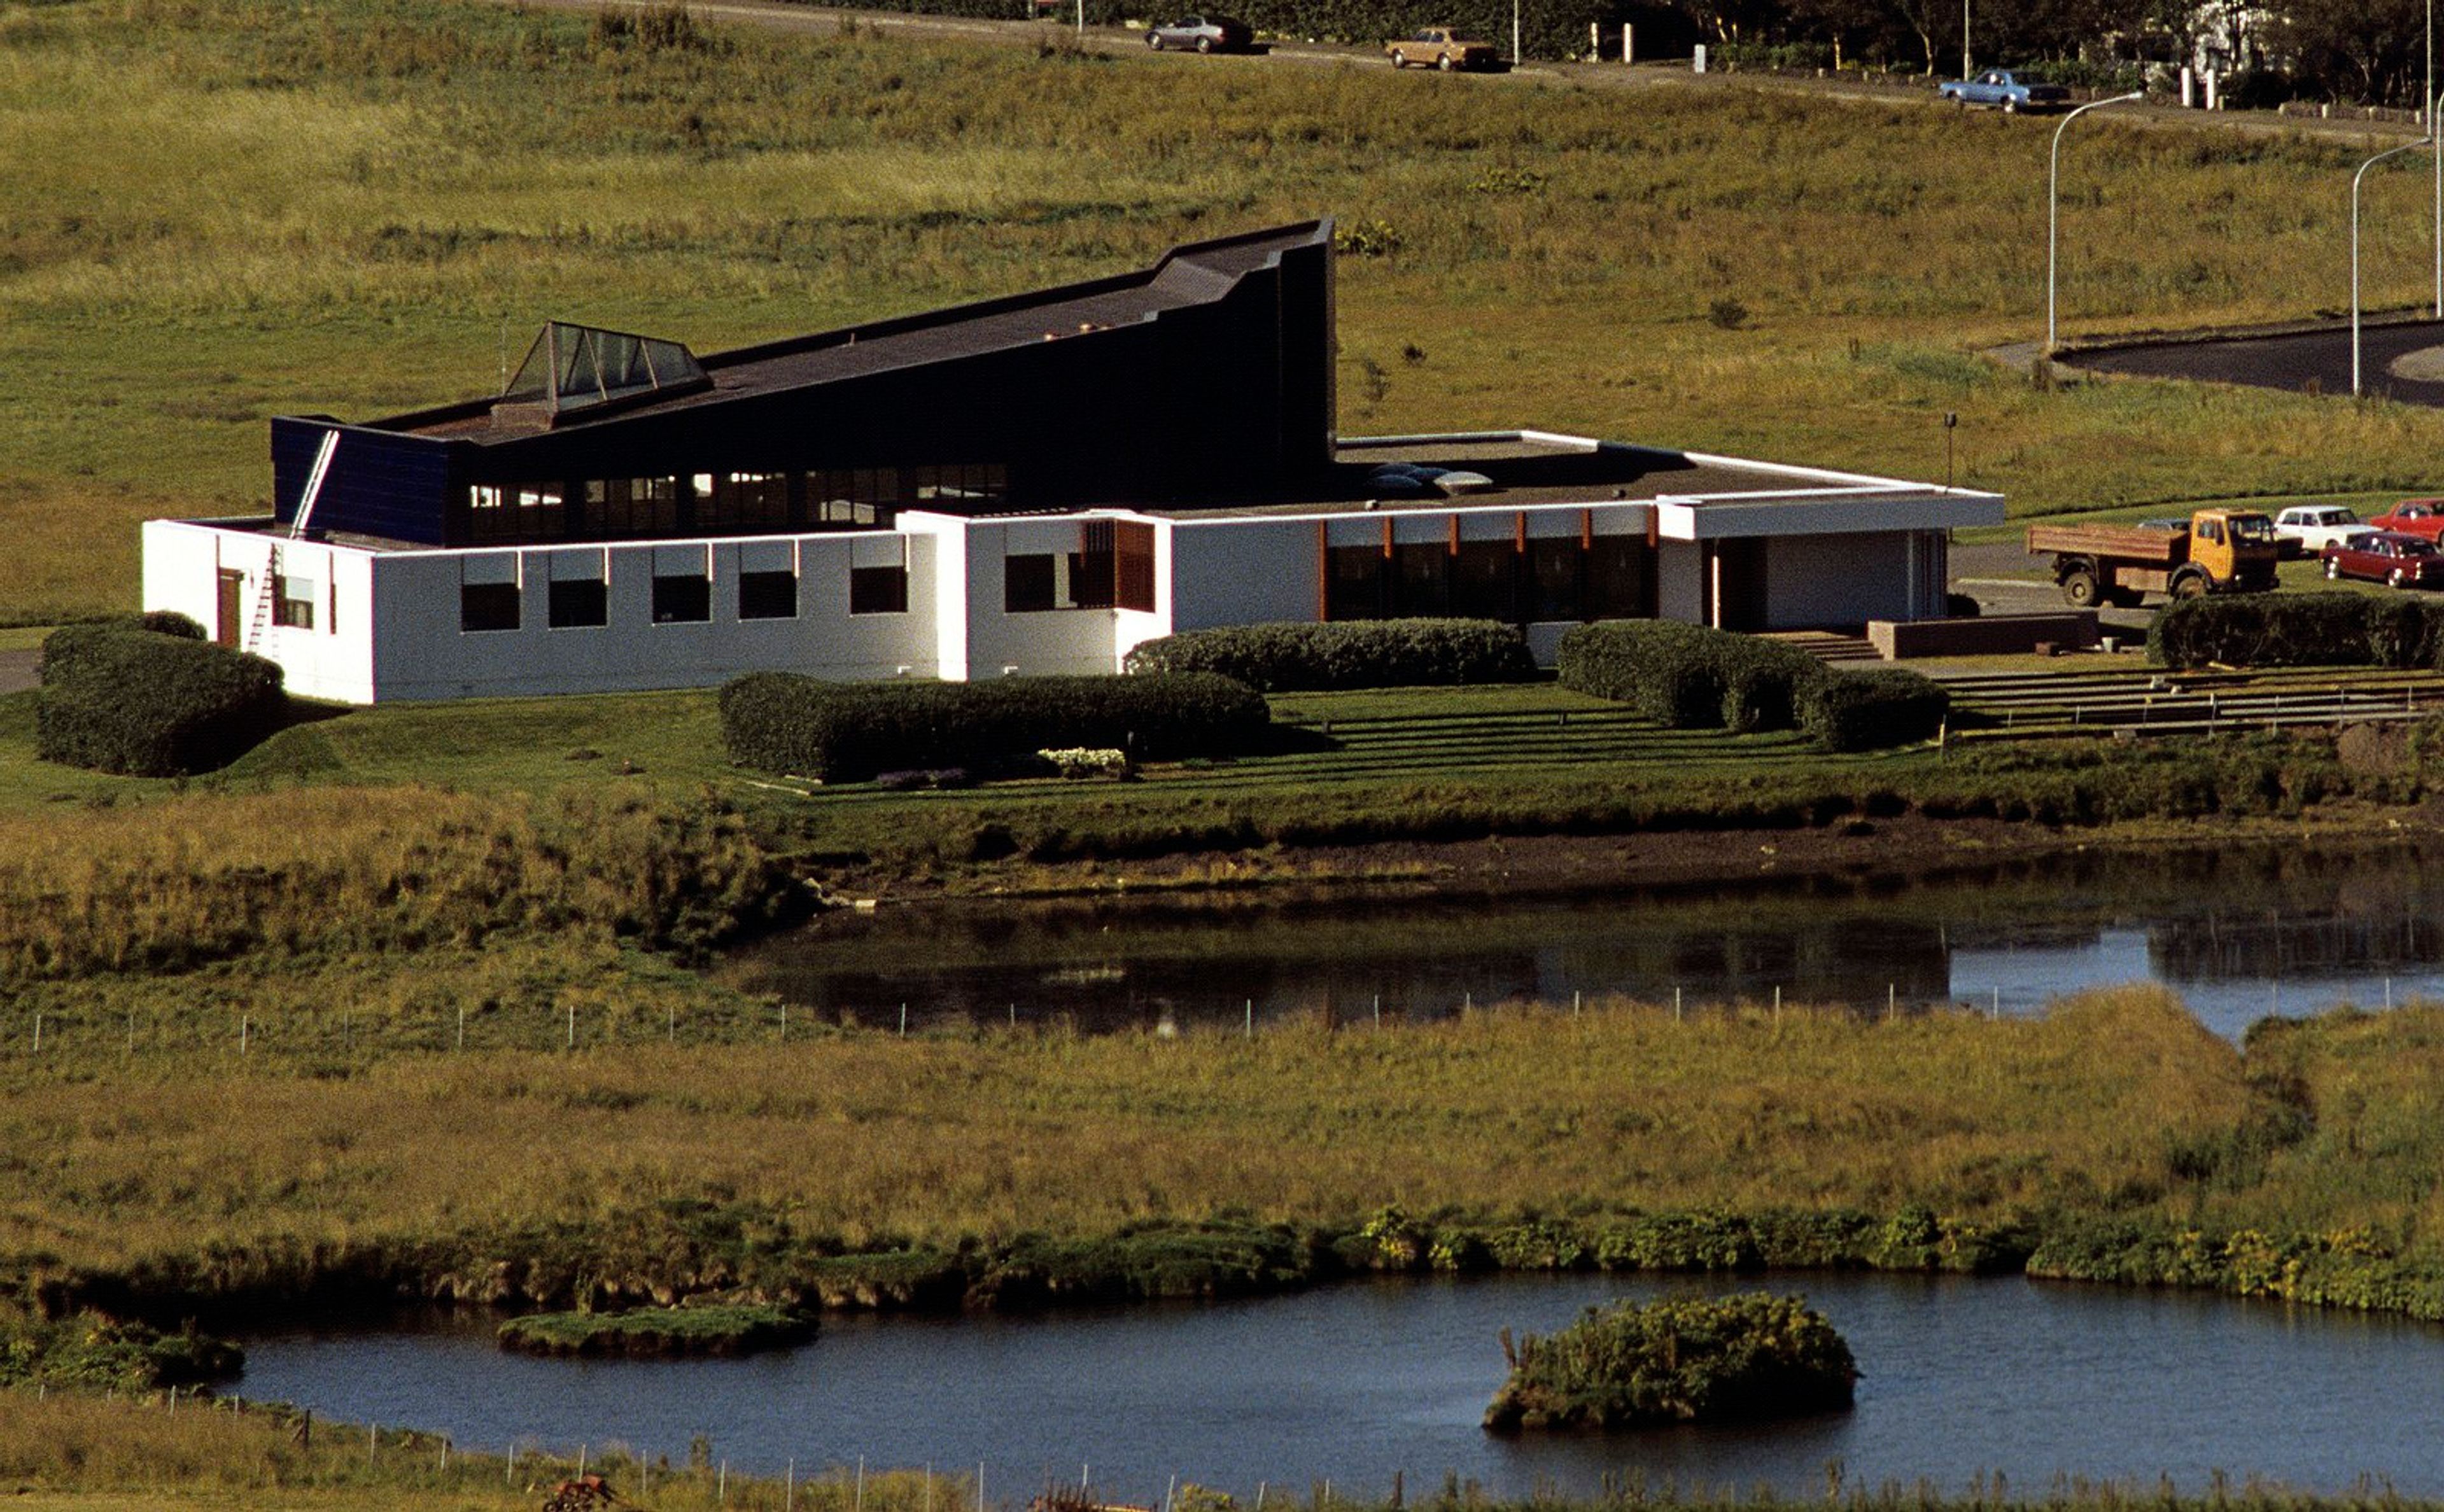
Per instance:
(569,367)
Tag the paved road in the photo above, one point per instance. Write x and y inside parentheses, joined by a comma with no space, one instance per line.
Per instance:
(781,16)
(17,670)
(2402,360)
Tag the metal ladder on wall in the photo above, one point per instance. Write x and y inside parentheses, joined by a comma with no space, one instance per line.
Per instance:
(263,600)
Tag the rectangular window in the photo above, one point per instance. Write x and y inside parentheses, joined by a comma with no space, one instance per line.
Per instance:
(620,507)
(1028,583)
(292,602)
(878,590)
(1091,572)
(682,601)
(1620,578)
(774,594)
(488,606)
(1554,567)
(1420,577)
(1485,580)
(745,502)
(579,603)
(1352,583)
(1132,565)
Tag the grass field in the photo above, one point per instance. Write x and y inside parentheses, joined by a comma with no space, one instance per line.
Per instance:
(361,208)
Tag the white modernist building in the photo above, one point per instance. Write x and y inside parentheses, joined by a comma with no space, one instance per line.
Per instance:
(616,523)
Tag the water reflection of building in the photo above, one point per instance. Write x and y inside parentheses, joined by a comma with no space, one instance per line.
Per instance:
(2259,946)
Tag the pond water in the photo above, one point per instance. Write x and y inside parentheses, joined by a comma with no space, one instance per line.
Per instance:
(2241,932)
(1962,1378)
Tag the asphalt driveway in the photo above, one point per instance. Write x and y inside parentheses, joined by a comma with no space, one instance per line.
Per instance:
(2400,359)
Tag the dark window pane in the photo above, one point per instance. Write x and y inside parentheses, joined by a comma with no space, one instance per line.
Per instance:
(682,601)
(1484,581)
(771,595)
(1554,568)
(1420,585)
(488,606)
(577,603)
(1621,579)
(878,590)
(1027,584)
(1353,584)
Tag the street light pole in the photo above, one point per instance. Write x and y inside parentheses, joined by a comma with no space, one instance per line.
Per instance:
(2390,151)
(2053,200)
(1965,69)
(2427,123)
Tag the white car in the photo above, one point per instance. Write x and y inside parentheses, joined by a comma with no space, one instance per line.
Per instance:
(2307,529)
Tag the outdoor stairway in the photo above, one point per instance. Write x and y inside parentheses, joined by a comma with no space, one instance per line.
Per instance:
(1828,646)
(2151,701)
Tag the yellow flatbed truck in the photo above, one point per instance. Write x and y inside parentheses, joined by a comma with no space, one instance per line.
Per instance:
(2212,551)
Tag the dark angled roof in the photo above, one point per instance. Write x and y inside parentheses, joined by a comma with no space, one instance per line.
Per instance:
(1200,273)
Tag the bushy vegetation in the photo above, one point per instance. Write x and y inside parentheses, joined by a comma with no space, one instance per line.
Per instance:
(846,732)
(1357,653)
(89,1351)
(381,871)
(658,1332)
(1869,711)
(1745,1357)
(1688,676)
(2298,629)
(122,696)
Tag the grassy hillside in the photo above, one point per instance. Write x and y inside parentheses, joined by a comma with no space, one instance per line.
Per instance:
(220,210)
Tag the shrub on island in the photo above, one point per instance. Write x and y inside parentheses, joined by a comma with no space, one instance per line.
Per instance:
(1297,657)
(1686,1360)
(658,1330)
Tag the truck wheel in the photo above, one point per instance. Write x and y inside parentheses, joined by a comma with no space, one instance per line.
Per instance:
(2191,586)
(1445,63)
(2080,587)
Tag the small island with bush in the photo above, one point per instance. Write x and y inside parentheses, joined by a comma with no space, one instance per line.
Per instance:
(658,1332)
(1743,1357)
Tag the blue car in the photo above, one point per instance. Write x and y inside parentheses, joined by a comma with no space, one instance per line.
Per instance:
(2009,92)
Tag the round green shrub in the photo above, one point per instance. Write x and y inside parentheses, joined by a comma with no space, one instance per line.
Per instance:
(121,697)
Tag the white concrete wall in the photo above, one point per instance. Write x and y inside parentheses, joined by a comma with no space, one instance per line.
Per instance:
(425,655)
(331,660)
(1034,642)
(1246,571)
(1813,582)
(1680,581)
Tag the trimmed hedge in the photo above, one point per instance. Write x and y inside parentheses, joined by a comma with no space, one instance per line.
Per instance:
(1278,659)
(120,696)
(1691,677)
(1688,676)
(1867,710)
(846,732)
(2327,629)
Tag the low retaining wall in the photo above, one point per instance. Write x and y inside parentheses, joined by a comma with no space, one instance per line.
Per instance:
(1986,635)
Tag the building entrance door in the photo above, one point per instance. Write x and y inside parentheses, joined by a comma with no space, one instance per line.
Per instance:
(232,604)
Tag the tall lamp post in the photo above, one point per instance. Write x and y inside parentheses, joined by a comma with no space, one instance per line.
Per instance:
(1964,39)
(2390,151)
(2053,200)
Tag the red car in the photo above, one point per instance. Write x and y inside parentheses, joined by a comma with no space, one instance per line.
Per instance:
(2388,556)
(2413,517)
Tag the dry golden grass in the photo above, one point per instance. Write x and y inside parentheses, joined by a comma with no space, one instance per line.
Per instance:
(865,1135)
